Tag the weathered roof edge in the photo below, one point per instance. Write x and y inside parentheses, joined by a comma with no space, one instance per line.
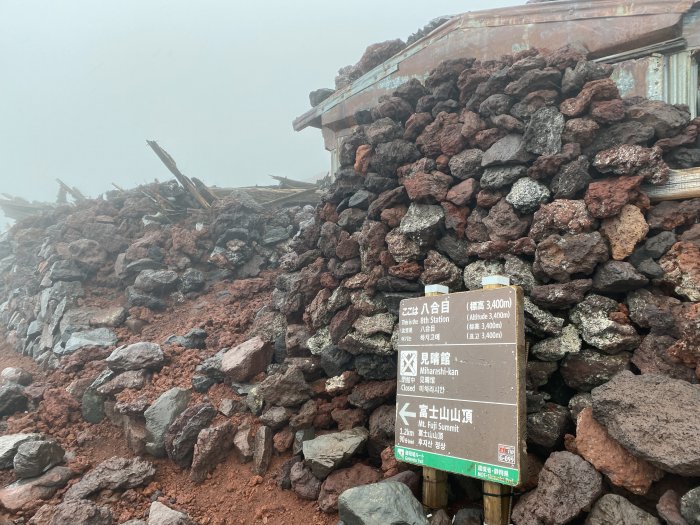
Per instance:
(563,10)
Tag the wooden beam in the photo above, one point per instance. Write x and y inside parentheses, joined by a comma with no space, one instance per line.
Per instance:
(186,183)
(682,184)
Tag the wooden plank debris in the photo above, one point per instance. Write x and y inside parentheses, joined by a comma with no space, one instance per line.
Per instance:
(682,184)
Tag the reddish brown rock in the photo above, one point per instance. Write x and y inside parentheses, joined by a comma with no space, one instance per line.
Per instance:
(487,138)
(283,440)
(392,216)
(247,359)
(504,224)
(548,165)
(623,469)
(669,508)
(342,322)
(455,217)
(362,158)
(681,265)
(472,124)
(497,249)
(387,199)
(371,394)
(580,130)
(604,89)
(440,270)
(624,231)
(652,357)
(489,198)
(560,257)
(341,480)
(27,493)
(607,111)
(406,270)
(348,418)
(451,140)
(561,216)
(463,192)
(427,188)
(415,125)
(606,198)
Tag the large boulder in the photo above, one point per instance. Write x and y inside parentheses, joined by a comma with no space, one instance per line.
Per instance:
(649,416)
(567,485)
(387,503)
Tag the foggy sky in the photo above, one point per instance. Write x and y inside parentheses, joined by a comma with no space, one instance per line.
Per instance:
(217,83)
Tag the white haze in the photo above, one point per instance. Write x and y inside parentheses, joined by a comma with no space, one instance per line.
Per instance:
(217,83)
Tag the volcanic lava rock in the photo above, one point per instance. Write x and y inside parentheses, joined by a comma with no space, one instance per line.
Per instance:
(633,408)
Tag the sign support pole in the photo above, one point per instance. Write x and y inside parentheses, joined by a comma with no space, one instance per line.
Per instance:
(496,496)
(434,480)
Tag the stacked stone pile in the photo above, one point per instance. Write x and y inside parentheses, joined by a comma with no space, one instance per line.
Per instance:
(534,167)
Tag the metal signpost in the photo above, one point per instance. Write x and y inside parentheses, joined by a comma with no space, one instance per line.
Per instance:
(461,385)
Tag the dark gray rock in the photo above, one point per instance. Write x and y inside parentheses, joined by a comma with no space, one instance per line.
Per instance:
(612,508)
(286,390)
(92,402)
(616,277)
(160,415)
(543,132)
(192,281)
(195,338)
(648,415)
(690,506)
(113,474)
(158,282)
(422,222)
(181,435)
(380,504)
(508,150)
(97,337)
(12,399)
(262,449)
(547,428)
(303,482)
(10,443)
(328,452)
(499,176)
(556,348)
(590,368)
(33,458)
(526,195)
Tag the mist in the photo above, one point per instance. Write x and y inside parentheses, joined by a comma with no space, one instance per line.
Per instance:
(216,83)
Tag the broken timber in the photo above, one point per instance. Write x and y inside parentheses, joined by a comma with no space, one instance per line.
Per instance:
(682,184)
(181,178)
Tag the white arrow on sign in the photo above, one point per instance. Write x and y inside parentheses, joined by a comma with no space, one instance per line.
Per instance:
(404,413)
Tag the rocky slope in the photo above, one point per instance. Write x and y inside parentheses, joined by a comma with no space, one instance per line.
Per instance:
(284,324)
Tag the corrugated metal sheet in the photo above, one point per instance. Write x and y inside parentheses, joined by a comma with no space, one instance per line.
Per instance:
(681,80)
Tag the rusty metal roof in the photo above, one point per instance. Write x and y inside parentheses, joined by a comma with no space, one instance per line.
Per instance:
(605,27)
